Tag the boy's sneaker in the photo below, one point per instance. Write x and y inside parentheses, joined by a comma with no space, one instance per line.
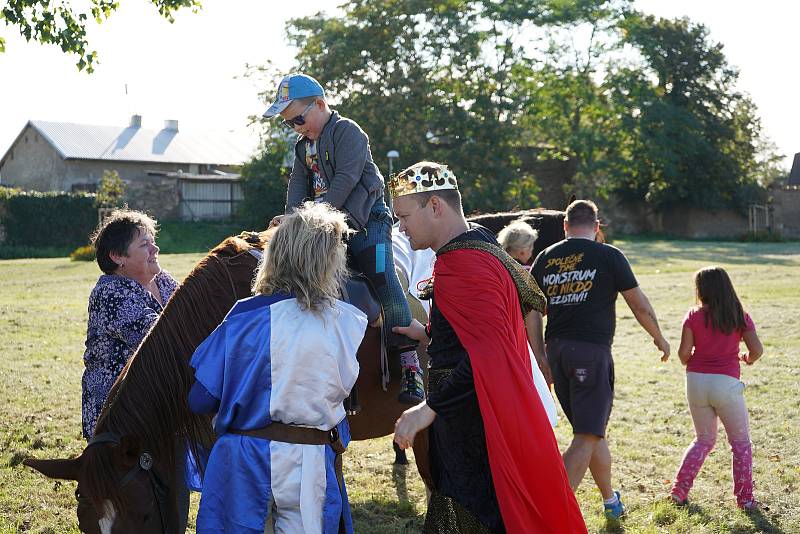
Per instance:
(412,391)
(616,509)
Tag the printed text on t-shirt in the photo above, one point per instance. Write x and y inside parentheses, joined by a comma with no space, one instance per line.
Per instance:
(569,285)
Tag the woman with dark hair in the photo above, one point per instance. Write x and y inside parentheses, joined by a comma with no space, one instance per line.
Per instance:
(124,304)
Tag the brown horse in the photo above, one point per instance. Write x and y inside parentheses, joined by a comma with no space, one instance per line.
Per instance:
(130,475)
(548,223)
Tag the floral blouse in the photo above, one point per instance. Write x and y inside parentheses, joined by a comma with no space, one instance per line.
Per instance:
(121,312)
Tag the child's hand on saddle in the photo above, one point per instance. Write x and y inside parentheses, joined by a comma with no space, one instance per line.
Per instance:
(415,331)
(276,221)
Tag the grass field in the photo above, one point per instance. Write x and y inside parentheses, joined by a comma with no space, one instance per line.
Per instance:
(43,322)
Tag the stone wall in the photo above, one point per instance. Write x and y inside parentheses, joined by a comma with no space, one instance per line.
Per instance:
(155,195)
(692,223)
(32,164)
(786,211)
(635,218)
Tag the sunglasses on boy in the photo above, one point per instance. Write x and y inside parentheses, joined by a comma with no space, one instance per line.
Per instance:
(299,120)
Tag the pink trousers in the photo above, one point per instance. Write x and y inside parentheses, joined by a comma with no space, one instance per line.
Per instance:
(715,397)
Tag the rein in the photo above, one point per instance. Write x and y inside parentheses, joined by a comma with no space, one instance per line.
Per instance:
(256,253)
(145,463)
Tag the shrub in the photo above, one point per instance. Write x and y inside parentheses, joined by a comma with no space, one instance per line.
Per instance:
(84,253)
(12,252)
(53,219)
(763,236)
(264,181)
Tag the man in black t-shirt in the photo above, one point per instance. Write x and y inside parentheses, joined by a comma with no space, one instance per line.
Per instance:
(581,278)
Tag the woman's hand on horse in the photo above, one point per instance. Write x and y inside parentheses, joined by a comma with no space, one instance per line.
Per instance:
(276,221)
(415,331)
(412,421)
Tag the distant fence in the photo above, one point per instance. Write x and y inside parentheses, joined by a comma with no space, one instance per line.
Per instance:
(759,218)
(204,199)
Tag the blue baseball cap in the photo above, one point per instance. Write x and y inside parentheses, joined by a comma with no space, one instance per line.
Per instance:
(292,87)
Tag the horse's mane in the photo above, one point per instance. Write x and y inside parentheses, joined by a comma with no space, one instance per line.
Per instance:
(148,401)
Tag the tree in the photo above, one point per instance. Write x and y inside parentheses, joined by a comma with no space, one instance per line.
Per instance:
(264,181)
(427,79)
(484,85)
(110,191)
(692,137)
(447,80)
(63,25)
(566,109)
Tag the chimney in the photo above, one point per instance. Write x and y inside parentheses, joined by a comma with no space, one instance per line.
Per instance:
(136,121)
(170,124)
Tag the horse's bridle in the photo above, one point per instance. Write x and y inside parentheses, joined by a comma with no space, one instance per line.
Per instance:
(256,253)
(145,463)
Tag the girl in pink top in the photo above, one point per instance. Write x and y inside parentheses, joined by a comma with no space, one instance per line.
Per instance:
(710,351)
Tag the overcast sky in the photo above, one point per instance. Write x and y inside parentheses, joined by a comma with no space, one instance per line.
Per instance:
(191,70)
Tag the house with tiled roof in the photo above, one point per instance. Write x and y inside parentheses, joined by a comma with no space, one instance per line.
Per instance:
(168,172)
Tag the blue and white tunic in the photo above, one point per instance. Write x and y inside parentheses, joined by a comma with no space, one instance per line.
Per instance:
(270,361)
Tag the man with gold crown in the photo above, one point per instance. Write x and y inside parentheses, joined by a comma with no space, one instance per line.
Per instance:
(494,459)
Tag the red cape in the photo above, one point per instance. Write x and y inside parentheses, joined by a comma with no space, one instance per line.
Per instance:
(477,296)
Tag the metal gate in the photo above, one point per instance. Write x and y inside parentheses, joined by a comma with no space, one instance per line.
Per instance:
(208,199)
(759,218)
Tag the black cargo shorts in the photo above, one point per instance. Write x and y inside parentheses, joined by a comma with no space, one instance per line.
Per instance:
(583,378)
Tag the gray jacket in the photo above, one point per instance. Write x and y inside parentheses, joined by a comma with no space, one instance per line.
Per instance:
(346,162)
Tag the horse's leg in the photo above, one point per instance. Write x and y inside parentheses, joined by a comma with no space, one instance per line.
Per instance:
(422,460)
(400,457)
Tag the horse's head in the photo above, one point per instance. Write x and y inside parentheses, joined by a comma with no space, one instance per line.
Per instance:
(134,500)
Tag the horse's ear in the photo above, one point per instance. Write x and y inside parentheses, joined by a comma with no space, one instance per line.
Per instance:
(61,469)
(571,200)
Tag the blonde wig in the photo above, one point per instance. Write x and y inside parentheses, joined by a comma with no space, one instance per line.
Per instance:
(518,235)
(306,257)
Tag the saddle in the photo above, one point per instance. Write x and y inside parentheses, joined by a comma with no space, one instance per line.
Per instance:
(359,292)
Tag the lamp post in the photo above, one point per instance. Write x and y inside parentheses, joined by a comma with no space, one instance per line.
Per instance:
(392,155)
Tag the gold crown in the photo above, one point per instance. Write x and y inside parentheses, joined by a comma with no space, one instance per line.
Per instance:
(421,178)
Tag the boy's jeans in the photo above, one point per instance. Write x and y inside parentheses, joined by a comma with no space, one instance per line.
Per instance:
(371,251)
